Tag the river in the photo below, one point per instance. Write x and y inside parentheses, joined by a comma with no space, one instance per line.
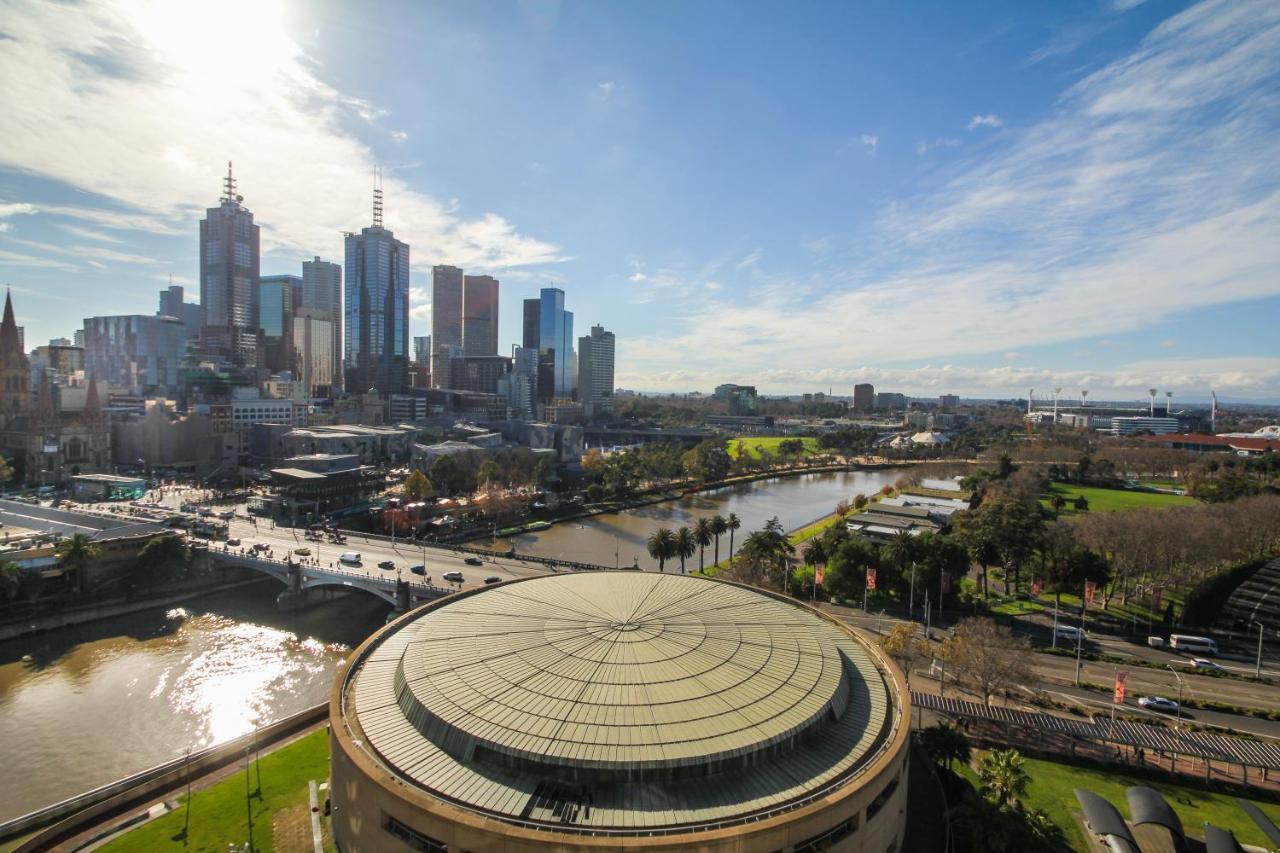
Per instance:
(84,706)
(620,538)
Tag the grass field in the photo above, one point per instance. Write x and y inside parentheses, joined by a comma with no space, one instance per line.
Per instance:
(1112,500)
(218,812)
(1052,787)
(752,445)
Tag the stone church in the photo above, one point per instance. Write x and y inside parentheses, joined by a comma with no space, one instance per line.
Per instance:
(43,444)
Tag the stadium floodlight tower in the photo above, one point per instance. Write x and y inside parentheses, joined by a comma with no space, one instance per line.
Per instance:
(1056,392)
(1031,398)
(1084,397)
(1152,392)
(1168,404)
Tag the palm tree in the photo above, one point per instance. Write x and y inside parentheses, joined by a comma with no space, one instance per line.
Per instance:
(76,554)
(814,552)
(662,546)
(702,534)
(733,523)
(945,744)
(685,544)
(718,526)
(901,550)
(1003,776)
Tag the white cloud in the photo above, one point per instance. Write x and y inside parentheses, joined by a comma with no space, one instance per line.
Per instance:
(15,208)
(942,142)
(604,91)
(23,260)
(88,233)
(869,141)
(989,120)
(140,76)
(750,260)
(399,136)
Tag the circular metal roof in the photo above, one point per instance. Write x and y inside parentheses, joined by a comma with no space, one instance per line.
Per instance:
(647,695)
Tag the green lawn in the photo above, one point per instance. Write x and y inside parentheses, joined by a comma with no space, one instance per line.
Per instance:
(1111,500)
(218,812)
(1052,787)
(752,444)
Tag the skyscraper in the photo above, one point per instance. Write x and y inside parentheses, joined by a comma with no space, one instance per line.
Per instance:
(864,397)
(555,342)
(422,350)
(377,308)
(275,312)
(229,270)
(446,319)
(313,347)
(480,315)
(322,291)
(173,304)
(595,371)
(532,324)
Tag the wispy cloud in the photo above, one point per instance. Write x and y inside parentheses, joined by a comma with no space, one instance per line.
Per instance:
(988,120)
(604,91)
(750,260)
(869,141)
(942,142)
(151,144)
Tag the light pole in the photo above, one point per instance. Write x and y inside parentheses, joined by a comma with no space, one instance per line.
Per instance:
(1055,622)
(1177,675)
(1079,642)
(911,602)
(1257,670)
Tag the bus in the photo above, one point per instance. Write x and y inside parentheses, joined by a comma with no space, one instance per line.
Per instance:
(1196,645)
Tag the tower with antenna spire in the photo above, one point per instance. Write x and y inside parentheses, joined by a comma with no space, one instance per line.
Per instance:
(229,275)
(376,309)
(377,197)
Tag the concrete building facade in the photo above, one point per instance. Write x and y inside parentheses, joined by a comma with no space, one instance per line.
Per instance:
(480,315)
(446,319)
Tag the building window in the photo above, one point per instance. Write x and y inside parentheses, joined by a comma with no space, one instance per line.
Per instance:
(829,839)
(412,838)
(883,797)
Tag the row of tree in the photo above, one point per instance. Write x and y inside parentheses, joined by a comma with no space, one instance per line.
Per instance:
(667,544)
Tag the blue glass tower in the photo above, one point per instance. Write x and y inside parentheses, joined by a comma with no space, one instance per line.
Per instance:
(555,340)
(376,344)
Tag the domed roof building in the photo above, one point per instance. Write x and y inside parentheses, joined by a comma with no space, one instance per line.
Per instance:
(593,711)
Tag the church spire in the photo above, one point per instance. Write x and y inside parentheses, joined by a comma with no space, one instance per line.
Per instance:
(11,354)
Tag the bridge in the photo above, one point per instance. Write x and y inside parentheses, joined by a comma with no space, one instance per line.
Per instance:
(300,577)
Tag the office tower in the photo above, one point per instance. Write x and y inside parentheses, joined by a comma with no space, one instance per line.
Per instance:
(173,304)
(595,371)
(864,397)
(532,324)
(313,351)
(135,351)
(948,401)
(446,319)
(422,351)
(520,386)
(377,308)
(275,311)
(555,337)
(479,373)
(322,291)
(77,339)
(480,315)
(229,270)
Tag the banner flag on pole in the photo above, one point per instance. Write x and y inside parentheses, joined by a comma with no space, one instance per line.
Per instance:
(1118,697)
(817,575)
(1089,589)
(871,578)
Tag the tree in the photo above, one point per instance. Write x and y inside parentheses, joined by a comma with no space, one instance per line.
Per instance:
(685,544)
(702,534)
(158,559)
(708,461)
(416,485)
(6,470)
(732,523)
(945,744)
(10,580)
(1057,501)
(986,657)
(662,546)
(907,650)
(544,471)
(814,552)
(487,474)
(718,527)
(447,473)
(1081,504)
(76,554)
(1003,777)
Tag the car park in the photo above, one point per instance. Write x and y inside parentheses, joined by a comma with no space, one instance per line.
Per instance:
(386,564)
(455,577)
(1158,703)
(473,561)
(493,579)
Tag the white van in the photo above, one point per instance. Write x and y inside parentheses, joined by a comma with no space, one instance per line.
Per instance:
(1070,632)
(351,557)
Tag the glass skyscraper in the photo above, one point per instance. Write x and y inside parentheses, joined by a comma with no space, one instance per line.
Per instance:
(376,342)
(480,315)
(446,320)
(555,342)
(322,291)
(229,271)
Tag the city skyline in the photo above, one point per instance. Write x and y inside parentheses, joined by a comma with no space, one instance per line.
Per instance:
(985,204)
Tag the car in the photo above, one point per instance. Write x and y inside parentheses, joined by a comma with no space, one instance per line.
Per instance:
(454,577)
(418,569)
(233,543)
(302,552)
(1070,632)
(1158,703)
(386,564)
(1205,663)
(226,515)
(474,561)
(351,557)
(493,579)
(261,546)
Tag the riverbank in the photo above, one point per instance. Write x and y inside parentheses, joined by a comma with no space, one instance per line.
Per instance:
(120,606)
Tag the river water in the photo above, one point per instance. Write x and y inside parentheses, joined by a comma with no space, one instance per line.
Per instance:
(620,538)
(84,706)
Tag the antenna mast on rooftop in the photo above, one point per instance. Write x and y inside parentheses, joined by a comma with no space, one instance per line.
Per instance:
(229,186)
(377,196)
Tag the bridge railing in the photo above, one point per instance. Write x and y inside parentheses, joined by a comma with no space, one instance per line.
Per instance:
(309,569)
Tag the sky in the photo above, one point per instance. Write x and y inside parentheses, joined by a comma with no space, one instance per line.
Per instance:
(933,197)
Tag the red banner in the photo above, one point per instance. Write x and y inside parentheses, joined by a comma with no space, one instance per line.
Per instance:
(1090,588)
(1035,587)
(1118,696)
(817,575)
(871,578)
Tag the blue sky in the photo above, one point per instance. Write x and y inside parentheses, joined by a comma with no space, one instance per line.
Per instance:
(934,197)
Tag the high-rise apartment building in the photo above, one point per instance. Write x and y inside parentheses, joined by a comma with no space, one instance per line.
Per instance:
(949,401)
(313,351)
(532,324)
(276,306)
(322,291)
(229,271)
(520,386)
(864,397)
(422,350)
(446,319)
(890,400)
(173,304)
(595,371)
(480,315)
(376,345)
(555,340)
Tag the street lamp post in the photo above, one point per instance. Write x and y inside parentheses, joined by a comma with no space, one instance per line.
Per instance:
(1257,670)
(1177,675)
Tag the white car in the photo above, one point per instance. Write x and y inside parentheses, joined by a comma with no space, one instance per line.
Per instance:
(1205,663)
(1070,632)
(455,577)
(1158,703)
